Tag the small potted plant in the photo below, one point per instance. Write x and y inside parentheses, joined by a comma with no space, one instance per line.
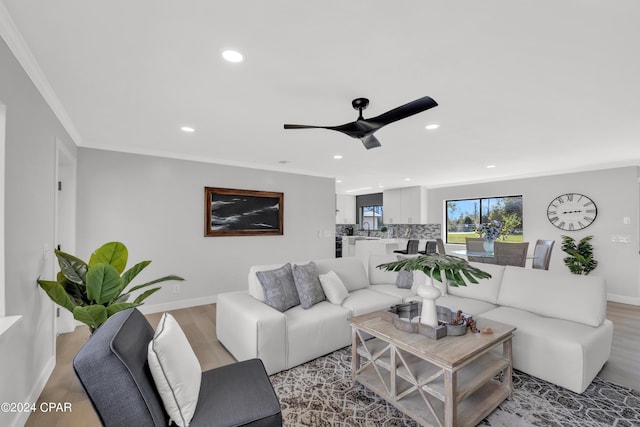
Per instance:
(580,259)
(95,291)
(385,231)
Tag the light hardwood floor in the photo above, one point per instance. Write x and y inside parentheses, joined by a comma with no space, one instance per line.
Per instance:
(199,326)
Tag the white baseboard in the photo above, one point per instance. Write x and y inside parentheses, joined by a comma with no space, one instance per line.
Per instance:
(21,417)
(176,305)
(623,299)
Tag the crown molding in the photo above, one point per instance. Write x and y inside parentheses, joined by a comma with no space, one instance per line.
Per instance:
(20,49)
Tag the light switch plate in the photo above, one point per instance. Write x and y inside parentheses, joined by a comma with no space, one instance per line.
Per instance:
(621,238)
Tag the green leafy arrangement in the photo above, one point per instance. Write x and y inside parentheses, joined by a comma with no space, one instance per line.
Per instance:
(580,259)
(439,266)
(93,291)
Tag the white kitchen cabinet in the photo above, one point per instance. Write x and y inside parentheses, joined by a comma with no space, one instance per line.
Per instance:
(392,202)
(345,209)
(405,206)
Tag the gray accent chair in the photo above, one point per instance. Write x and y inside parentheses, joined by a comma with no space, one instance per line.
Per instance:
(113,370)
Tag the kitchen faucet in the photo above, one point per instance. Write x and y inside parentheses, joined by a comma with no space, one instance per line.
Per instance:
(368,228)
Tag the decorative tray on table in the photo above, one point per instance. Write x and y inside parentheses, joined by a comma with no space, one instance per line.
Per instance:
(406,317)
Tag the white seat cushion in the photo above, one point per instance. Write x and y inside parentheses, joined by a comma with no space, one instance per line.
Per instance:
(316,331)
(467,305)
(365,301)
(175,370)
(565,353)
(405,294)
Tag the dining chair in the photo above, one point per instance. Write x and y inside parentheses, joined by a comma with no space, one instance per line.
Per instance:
(511,253)
(441,249)
(476,244)
(542,254)
(429,248)
(412,248)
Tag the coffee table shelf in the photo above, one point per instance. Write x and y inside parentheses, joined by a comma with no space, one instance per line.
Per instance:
(454,381)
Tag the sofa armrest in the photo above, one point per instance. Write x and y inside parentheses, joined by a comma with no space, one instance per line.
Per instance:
(249,329)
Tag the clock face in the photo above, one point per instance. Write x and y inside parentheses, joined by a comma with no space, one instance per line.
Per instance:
(572,211)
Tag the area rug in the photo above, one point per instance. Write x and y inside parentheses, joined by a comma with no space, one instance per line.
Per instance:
(319,393)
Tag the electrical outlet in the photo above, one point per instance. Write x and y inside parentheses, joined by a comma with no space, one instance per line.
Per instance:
(176,289)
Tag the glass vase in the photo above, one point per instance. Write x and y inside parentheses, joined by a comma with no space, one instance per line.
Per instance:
(488,245)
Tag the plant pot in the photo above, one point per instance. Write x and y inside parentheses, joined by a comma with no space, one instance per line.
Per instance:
(488,246)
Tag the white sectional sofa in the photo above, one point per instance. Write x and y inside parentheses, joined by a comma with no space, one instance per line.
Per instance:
(562,334)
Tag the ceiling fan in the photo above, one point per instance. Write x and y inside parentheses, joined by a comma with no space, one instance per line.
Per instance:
(364,129)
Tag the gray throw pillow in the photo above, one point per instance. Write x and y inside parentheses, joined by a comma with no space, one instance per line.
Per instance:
(405,277)
(279,288)
(307,280)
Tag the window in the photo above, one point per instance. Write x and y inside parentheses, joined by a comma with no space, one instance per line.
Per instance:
(464,215)
(371,215)
(369,210)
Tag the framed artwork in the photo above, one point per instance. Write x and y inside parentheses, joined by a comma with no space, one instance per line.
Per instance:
(229,212)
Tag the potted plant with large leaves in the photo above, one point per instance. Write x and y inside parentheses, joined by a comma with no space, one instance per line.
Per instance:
(96,290)
(580,259)
(448,269)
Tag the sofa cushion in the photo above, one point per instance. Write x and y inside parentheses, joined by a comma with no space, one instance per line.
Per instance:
(406,294)
(555,295)
(175,370)
(486,289)
(565,353)
(364,301)
(255,288)
(316,331)
(404,279)
(467,305)
(333,288)
(308,284)
(279,288)
(349,269)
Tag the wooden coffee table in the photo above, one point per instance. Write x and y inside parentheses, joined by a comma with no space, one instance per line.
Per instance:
(453,381)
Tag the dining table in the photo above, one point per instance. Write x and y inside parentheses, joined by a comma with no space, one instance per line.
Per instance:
(481,254)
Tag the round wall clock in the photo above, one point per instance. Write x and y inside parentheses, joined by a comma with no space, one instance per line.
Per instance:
(572,211)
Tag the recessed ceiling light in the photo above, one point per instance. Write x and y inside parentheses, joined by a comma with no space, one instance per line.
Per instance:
(432,126)
(338,181)
(284,162)
(407,179)
(187,129)
(232,56)
(337,156)
(380,186)
(491,166)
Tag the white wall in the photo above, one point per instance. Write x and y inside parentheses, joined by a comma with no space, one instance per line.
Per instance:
(27,349)
(156,207)
(616,194)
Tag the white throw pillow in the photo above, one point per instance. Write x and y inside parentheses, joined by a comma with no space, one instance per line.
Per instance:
(333,288)
(175,370)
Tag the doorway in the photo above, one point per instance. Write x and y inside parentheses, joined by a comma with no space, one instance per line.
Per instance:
(65,214)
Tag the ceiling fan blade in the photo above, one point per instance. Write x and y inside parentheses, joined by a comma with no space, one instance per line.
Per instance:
(370,142)
(357,129)
(305,127)
(402,112)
